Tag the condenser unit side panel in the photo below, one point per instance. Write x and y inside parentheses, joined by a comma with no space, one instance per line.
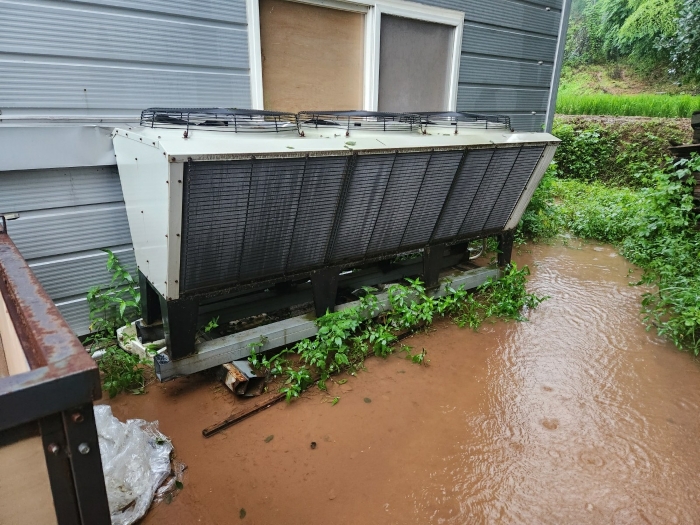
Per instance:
(514,186)
(359,207)
(435,188)
(215,210)
(462,194)
(399,199)
(272,209)
(144,176)
(539,171)
(494,179)
(315,212)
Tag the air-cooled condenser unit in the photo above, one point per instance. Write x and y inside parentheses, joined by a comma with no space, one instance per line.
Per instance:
(219,200)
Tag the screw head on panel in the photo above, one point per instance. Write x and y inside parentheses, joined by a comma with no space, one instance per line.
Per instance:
(53,449)
(77,417)
(84,449)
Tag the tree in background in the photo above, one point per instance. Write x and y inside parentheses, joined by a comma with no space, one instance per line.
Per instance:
(649,34)
(683,47)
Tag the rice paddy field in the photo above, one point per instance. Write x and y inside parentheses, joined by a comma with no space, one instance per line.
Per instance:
(638,105)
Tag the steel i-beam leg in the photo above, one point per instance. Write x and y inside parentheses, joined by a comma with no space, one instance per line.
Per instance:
(433,259)
(505,247)
(150,301)
(180,326)
(324,284)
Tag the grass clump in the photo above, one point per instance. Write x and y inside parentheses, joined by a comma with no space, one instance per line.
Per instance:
(122,372)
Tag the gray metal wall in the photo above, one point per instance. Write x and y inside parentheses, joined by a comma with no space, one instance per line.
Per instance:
(67,216)
(106,58)
(109,59)
(116,57)
(508,56)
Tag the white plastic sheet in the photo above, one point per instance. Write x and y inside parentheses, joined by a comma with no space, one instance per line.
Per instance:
(135,460)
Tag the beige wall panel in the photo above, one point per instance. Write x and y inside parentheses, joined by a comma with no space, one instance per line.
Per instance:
(312,57)
(25,492)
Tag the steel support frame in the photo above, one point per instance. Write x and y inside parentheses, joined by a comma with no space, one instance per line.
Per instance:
(236,346)
(74,465)
(324,284)
(181,317)
(433,262)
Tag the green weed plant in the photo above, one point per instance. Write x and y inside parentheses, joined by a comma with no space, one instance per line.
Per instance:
(116,304)
(346,337)
(111,307)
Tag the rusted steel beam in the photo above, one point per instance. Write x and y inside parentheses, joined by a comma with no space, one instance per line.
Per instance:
(62,374)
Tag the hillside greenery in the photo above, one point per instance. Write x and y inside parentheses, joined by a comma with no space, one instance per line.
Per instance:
(650,35)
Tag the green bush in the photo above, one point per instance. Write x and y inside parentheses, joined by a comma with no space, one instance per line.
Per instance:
(621,153)
(683,44)
(541,219)
(584,154)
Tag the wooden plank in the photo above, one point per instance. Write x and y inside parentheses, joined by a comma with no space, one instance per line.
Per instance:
(12,352)
(312,57)
(4,371)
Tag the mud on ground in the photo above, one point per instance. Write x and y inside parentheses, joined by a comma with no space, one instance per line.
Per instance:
(577,416)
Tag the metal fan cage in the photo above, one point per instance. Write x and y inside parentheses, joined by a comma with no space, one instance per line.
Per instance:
(350,121)
(458,120)
(220,119)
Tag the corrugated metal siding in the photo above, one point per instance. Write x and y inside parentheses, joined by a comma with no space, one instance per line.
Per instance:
(508,51)
(104,57)
(64,187)
(490,71)
(117,57)
(67,216)
(91,86)
(222,10)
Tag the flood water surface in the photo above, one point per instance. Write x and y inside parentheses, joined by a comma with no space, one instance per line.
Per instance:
(578,416)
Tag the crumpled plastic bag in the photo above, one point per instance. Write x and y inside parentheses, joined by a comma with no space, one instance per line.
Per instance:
(135,461)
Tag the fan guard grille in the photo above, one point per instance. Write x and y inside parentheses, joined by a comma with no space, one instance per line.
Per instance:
(358,121)
(220,119)
(456,120)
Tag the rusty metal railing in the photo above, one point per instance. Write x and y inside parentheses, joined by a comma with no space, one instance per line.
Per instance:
(46,396)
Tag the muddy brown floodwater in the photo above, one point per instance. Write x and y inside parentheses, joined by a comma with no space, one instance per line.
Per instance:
(578,416)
